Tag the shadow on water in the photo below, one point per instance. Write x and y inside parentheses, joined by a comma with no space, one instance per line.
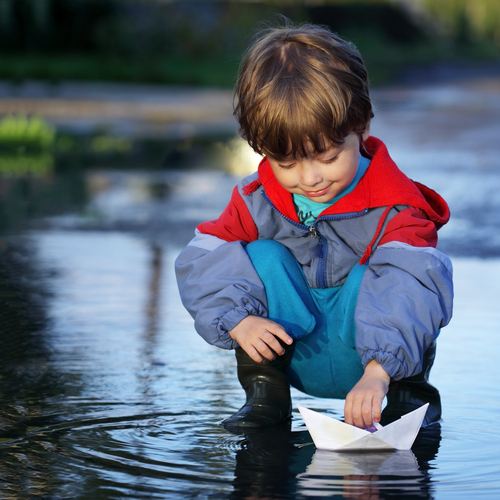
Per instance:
(24,364)
(107,392)
(24,351)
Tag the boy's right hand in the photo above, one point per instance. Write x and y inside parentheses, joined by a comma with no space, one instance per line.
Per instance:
(257,337)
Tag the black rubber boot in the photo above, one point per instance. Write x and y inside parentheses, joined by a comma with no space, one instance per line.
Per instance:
(267,392)
(410,393)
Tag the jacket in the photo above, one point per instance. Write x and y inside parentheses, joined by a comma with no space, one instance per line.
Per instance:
(388,222)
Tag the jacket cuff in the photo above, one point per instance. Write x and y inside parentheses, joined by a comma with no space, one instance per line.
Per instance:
(390,363)
(230,320)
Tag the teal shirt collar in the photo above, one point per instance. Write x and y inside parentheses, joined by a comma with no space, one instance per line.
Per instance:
(308,211)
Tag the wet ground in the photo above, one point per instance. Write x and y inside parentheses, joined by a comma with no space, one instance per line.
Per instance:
(107,392)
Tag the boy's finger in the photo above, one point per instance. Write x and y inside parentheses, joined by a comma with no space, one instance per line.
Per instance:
(265,350)
(377,410)
(357,420)
(366,413)
(276,344)
(252,352)
(280,332)
(347,412)
(358,412)
(352,410)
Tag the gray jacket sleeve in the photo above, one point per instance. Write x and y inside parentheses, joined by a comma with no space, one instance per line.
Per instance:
(405,297)
(219,287)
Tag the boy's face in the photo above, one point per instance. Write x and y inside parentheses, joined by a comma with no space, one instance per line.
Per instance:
(320,178)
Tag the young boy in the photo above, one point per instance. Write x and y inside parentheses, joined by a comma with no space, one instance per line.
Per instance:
(322,271)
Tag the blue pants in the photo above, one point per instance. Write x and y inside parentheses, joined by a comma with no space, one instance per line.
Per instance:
(325,362)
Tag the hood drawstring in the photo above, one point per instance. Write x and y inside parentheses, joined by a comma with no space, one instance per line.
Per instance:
(380,224)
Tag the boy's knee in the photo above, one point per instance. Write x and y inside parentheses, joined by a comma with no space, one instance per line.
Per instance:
(266,248)
(268,256)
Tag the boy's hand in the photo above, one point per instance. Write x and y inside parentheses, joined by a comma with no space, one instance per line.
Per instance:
(365,398)
(257,337)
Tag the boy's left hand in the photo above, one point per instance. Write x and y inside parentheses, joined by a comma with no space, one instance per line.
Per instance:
(363,404)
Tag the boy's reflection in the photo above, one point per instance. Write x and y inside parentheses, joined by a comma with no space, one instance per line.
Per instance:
(278,463)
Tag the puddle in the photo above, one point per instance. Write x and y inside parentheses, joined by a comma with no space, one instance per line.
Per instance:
(123,398)
(107,392)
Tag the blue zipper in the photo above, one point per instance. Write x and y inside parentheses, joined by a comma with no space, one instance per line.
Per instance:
(296,224)
(321,275)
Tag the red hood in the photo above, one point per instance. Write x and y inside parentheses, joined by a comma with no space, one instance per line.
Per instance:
(382,185)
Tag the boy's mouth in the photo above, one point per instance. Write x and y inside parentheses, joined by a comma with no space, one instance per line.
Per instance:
(318,193)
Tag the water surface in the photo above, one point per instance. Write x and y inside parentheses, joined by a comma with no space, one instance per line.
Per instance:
(107,392)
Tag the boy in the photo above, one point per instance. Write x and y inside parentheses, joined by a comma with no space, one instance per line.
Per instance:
(322,271)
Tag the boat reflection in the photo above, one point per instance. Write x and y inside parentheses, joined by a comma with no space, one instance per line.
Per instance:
(281,463)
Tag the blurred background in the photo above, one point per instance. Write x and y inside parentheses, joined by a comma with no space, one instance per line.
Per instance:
(199,42)
(146,84)
(116,139)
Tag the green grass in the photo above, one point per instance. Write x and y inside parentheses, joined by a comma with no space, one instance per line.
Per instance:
(174,70)
(384,61)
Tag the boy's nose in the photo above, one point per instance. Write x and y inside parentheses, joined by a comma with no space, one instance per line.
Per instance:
(311,176)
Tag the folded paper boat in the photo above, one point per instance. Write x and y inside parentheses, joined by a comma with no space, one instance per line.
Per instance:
(330,434)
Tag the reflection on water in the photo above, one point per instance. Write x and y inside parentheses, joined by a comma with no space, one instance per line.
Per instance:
(366,475)
(60,174)
(152,306)
(107,392)
(277,463)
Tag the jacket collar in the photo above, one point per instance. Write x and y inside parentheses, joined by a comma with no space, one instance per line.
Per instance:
(383,184)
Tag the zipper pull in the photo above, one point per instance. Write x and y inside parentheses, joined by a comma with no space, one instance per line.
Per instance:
(313,232)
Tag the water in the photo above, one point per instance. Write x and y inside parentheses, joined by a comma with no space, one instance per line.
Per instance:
(107,392)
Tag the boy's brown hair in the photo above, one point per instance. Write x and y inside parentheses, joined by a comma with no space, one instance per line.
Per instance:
(298,86)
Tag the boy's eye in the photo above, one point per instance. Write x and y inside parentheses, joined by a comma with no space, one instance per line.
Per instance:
(330,160)
(287,166)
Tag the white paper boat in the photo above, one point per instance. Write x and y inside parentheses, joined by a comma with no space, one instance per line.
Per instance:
(330,434)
